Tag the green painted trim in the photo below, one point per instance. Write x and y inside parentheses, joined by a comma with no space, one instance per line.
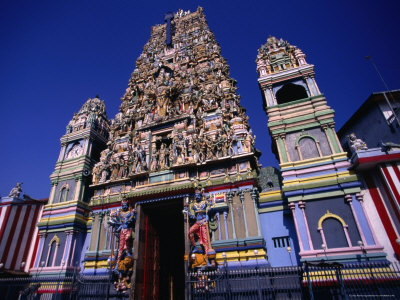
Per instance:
(296,102)
(333,140)
(271,209)
(309,116)
(282,150)
(301,136)
(352,190)
(323,195)
(297,128)
(238,242)
(318,196)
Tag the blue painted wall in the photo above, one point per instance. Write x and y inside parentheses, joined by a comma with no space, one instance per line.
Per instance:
(279,224)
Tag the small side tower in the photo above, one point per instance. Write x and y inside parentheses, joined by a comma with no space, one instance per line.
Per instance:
(321,192)
(63,226)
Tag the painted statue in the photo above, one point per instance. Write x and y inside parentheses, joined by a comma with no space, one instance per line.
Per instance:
(16,191)
(355,143)
(123,223)
(199,210)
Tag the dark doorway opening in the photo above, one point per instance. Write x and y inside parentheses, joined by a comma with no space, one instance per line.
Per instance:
(161,248)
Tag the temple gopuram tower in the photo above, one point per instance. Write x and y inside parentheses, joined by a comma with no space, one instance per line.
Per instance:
(64,223)
(321,192)
(180,151)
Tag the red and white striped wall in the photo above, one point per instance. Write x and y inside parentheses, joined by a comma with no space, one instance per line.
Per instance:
(18,232)
(384,187)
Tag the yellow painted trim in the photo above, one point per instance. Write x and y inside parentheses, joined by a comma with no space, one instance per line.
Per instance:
(68,203)
(55,239)
(241,255)
(68,217)
(271,193)
(350,273)
(313,160)
(330,215)
(96,264)
(316,178)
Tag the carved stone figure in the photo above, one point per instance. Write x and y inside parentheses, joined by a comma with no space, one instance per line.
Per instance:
(123,221)
(199,211)
(16,191)
(355,143)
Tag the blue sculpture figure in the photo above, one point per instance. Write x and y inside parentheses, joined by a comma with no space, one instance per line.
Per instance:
(123,221)
(198,211)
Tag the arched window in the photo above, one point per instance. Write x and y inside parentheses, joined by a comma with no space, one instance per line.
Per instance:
(334,231)
(290,92)
(52,253)
(307,146)
(63,195)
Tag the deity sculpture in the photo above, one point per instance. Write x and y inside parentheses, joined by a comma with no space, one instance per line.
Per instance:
(199,211)
(123,222)
(16,191)
(355,143)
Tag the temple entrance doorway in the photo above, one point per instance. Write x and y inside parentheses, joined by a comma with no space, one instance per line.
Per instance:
(160,248)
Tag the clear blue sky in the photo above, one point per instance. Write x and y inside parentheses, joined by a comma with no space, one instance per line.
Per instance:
(54,55)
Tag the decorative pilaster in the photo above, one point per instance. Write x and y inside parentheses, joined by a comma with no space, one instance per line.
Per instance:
(349,200)
(325,129)
(230,201)
(283,138)
(100,221)
(292,207)
(302,206)
(241,197)
(254,197)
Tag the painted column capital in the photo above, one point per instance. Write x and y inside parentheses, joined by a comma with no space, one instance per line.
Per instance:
(230,196)
(302,204)
(241,195)
(292,206)
(268,85)
(348,198)
(360,197)
(42,235)
(254,193)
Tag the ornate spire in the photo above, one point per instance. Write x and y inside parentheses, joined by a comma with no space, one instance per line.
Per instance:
(91,115)
(278,55)
(180,107)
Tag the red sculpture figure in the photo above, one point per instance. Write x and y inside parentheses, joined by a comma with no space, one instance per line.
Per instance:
(123,220)
(199,211)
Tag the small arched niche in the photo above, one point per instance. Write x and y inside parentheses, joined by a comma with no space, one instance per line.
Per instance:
(290,92)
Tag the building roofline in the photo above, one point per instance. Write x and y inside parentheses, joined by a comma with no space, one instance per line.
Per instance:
(372,98)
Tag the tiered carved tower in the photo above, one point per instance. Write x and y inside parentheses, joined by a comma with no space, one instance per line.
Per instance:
(180,126)
(63,226)
(320,190)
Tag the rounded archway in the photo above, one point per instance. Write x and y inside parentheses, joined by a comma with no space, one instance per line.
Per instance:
(290,92)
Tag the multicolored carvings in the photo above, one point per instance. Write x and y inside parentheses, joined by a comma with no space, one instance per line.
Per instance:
(185,83)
